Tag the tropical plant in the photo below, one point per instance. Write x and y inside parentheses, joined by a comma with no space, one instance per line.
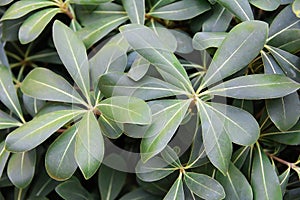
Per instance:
(150,99)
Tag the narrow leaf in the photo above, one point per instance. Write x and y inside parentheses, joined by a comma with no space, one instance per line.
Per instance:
(205,40)
(266,4)
(288,40)
(35,24)
(135,10)
(259,86)
(6,121)
(89,145)
(4,154)
(296,8)
(21,167)
(176,191)
(270,64)
(89,2)
(38,130)
(5,2)
(247,37)
(59,160)
(240,8)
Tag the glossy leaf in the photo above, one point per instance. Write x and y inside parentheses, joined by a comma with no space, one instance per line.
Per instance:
(35,24)
(296,8)
(5,2)
(288,40)
(166,36)
(99,29)
(266,5)
(38,130)
(72,53)
(21,167)
(59,160)
(205,40)
(117,84)
(72,189)
(110,182)
(138,69)
(217,144)
(176,191)
(8,94)
(204,186)
(240,8)
(42,83)
(139,194)
(180,10)
(6,121)
(135,10)
(166,120)
(247,37)
(4,154)
(259,86)
(262,175)
(110,128)
(21,8)
(89,145)
(270,64)
(171,157)
(149,46)
(89,2)
(184,41)
(235,184)
(124,109)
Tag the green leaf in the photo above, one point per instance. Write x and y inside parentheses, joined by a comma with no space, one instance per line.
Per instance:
(205,40)
(38,130)
(125,109)
(21,8)
(165,35)
(6,121)
(110,182)
(184,41)
(59,160)
(21,167)
(235,184)
(149,46)
(168,116)
(138,69)
(204,186)
(135,10)
(258,86)
(217,144)
(153,170)
(117,84)
(270,64)
(262,175)
(3,157)
(239,156)
(72,190)
(35,24)
(161,3)
(171,157)
(32,105)
(89,2)
(89,145)
(110,128)
(286,19)
(42,83)
(240,8)
(244,40)
(284,179)
(8,94)
(99,29)
(266,4)
(288,62)
(176,191)
(285,111)
(139,194)
(5,2)
(72,53)
(180,10)
(296,8)
(218,21)
(288,40)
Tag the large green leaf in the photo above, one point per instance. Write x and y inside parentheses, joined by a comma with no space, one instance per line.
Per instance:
(244,40)
(42,83)
(266,5)
(139,194)
(89,145)
(135,10)
(176,191)
(217,144)
(240,8)
(8,94)
(286,19)
(117,84)
(262,175)
(110,128)
(161,3)
(168,116)
(72,53)
(148,45)
(241,126)
(35,24)
(99,28)
(204,186)
(6,121)
(21,8)
(270,64)
(125,109)
(110,182)
(59,160)
(3,157)
(21,167)
(138,68)
(259,86)
(288,40)
(235,184)
(72,190)
(89,2)
(180,10)
(205,40)
(38,130)
(285,111)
